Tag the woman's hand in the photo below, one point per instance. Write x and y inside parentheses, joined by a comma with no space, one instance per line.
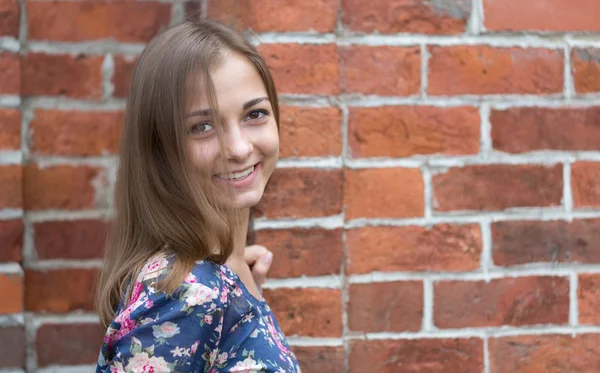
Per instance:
(259,259)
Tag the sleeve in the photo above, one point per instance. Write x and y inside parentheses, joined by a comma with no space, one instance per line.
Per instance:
(160,333)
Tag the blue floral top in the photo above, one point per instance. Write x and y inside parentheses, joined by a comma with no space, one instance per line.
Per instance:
(210,324)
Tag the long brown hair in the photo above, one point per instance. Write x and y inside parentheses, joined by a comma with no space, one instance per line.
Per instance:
(160,200)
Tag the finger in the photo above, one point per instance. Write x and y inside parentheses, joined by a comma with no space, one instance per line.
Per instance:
(261,268)
(253,252)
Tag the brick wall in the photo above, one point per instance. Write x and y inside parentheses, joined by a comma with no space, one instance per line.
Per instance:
(437,208)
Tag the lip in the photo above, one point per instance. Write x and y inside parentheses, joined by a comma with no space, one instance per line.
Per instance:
(242,183)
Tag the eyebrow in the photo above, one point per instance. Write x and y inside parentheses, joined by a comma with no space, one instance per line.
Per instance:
(206,112)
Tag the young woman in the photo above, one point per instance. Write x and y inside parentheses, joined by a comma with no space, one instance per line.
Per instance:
(200,143)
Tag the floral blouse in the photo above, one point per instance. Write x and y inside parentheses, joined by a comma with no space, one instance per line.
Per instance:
(210,324)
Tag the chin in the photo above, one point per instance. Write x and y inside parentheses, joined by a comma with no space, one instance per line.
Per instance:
(246,200)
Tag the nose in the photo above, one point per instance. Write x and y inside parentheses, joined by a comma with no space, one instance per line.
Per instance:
(237,146)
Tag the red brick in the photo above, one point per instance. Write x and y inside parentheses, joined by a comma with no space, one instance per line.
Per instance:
(11,288)
(552,15)
(585,182)
(193,9)
(307,312)
(11,177)
(586,69)
(59,291)
(303,68)
(292,15)
(373,193)
(320,359)
(134,22)
(10,129)
(523,242)
(302,193)
(588,294)
(76,133)
(79,239)
(433,355)
(12,353)
(386,307)
(403,131)
(545,353)
(446,17)
(310,132)
(68,344)
(526,129)
(56,75)
(9,18)
(124,66)
(302,252)
(61,187)
(11,240)
(441,248)
(507,301)
(497,187)
(10,73)
(488,70)
(393,71)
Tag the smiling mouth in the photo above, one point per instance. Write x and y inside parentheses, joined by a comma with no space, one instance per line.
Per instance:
(237,175)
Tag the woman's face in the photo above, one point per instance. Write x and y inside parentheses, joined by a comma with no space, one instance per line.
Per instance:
(249,130)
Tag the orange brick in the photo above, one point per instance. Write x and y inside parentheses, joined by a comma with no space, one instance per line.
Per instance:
(70,239)
(373,193)
(61,187)
(507,301)
(11,240)
(403,131)
(10,129)
(60,291)
(310,132)
(135,22)
(10,73)
(586,69)
(9,18)
(545,353)
(320,359)
(307,312)
(302,193)
(393,71)
(76,133)
(445,17)
(303,68)
(11,179)
(292,15)
(482,70)
(441,248)
(553,15)
(585,183)
(67,344)
(11,288)
(58,75)
(124,66)
(497,187)
(588,292)
(526,129)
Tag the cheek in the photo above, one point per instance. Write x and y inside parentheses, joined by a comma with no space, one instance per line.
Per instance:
(269,141)
(205,157)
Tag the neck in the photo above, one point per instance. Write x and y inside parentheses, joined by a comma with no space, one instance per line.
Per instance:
(239,240)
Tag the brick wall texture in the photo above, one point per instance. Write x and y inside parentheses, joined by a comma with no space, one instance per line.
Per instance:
(437,204)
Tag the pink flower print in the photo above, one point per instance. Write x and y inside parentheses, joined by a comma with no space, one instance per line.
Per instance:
(195,347)
(190,278)
(135,294)
(224,294)
(143,363)
(274,333)
(198,294)
(222,358)
(149,304)
(208,319)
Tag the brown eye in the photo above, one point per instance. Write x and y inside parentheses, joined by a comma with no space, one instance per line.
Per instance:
(201,128)
(257,114)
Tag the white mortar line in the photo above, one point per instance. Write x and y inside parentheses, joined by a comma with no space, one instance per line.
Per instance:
(569,87)
(303,100)
(10,214)
(312,162)
(330,222)
(72,318)
(97,161)
(428,193)
(486,147)
(315,342)
(51,264)
(66,215)
(325,282)
(10,268)
(10,157)
(204,8)
(567,199)
(108,69)
(487,261)
(573,299)
(475,25)
(428,304)
(10,101)
(177,13)
(11,370)
(90,48)
(424,70)
(9,44)
(30,345)
(486,355)
(67,369)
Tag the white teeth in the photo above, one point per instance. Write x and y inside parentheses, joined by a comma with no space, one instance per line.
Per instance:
(236,175)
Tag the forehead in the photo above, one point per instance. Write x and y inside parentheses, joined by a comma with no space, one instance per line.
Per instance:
(235,79)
